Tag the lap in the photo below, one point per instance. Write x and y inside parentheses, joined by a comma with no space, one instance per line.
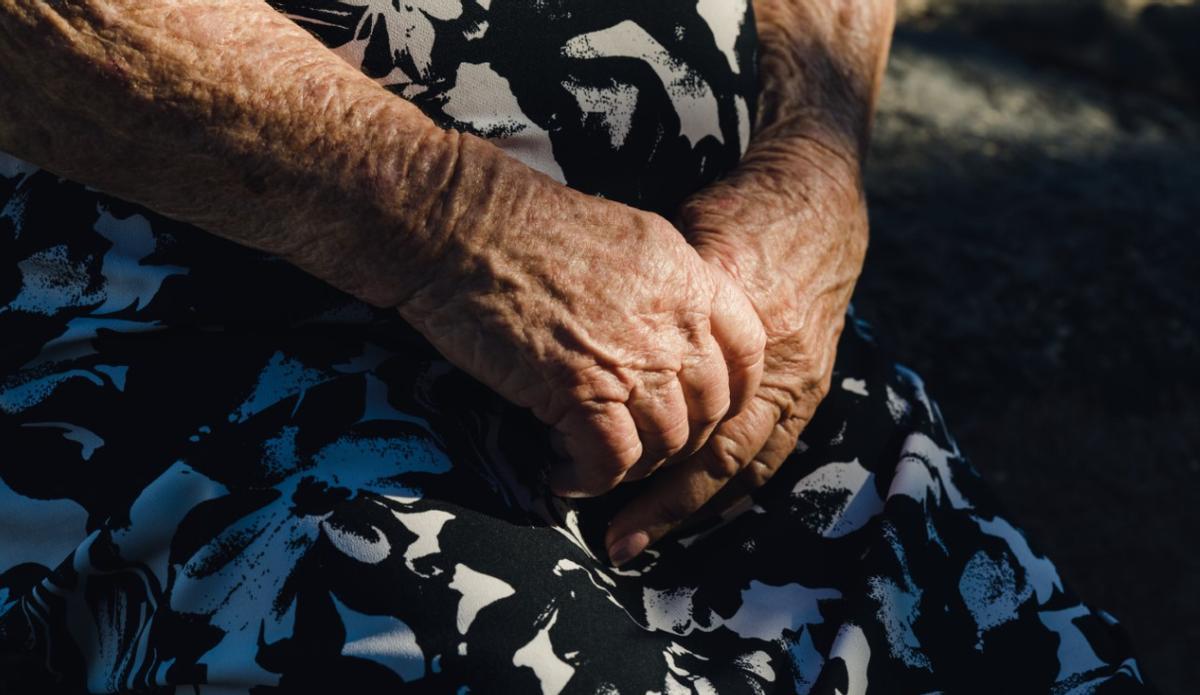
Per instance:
(338,504)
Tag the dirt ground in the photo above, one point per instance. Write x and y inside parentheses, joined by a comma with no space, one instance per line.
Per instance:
(1035,198)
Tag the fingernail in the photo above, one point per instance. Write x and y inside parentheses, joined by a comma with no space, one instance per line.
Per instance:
(627,548)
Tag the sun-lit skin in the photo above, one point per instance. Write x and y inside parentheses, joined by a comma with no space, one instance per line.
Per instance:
(790,224)
(633,341)
(600,318)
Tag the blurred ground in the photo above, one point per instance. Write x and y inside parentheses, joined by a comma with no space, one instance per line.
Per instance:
(1035,199)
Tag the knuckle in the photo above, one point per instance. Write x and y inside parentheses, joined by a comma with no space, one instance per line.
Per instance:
(758,346)
(675,437)
(743,362)
(594,386)
(708,400)
(756,341)
(723,462)
(714,405)
(710,418)
(611,469)
(750,348)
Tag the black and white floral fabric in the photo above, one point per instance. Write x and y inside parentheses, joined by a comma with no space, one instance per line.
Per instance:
(218,475)
(637,101)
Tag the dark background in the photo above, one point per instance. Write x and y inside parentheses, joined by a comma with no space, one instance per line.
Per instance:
(1035,201)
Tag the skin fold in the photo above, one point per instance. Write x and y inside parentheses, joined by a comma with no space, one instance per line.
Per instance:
(642,347)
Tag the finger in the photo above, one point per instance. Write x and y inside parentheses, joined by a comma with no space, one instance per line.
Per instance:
(679,491)
(705,385)
(602,443)
(777,449)
(661,415)
(739,331)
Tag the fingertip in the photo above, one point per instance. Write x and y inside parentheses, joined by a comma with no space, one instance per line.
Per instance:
(628,547)
(672,496)
(634,528)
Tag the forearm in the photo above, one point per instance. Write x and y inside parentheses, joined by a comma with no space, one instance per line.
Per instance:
(789,223)
(821,64)
(792,214)
(230,117)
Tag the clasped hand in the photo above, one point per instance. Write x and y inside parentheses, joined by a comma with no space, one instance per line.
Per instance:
(642,350)
(703,354)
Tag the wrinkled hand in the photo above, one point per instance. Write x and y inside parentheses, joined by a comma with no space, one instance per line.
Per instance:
(790,225)
(801,299)
(598,317)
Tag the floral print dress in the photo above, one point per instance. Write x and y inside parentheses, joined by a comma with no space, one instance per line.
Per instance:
(218,475)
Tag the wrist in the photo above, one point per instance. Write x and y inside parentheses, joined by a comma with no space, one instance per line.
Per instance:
(790,224)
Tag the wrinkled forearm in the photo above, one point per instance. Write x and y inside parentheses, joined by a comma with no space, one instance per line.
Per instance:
(230,117)
(790,221)
(821,64)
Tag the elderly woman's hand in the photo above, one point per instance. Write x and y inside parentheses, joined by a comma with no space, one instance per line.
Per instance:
(599,317)
(790,225)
